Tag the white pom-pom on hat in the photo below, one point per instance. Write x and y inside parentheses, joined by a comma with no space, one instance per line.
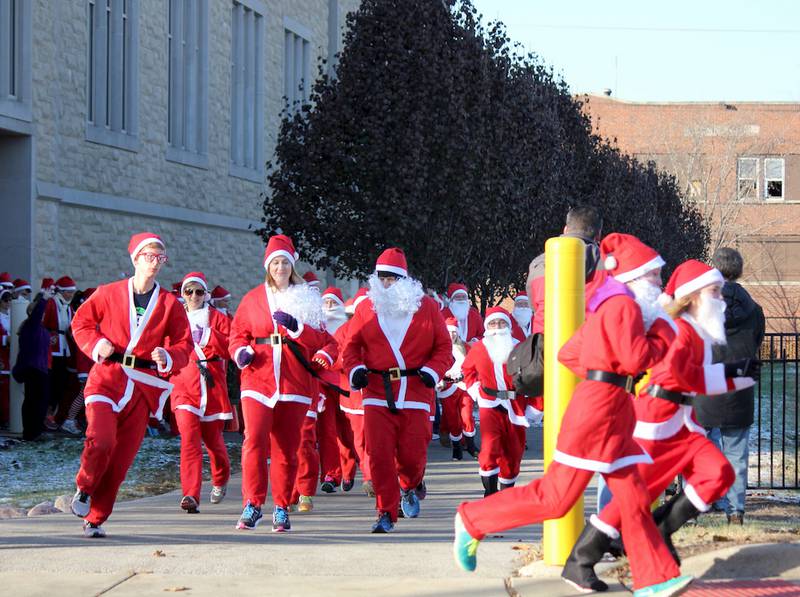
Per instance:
(610,262)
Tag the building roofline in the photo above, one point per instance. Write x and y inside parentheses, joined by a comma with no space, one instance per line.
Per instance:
(686,103)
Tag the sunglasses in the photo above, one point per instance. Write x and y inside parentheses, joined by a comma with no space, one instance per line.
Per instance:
(151,257)
(195,291)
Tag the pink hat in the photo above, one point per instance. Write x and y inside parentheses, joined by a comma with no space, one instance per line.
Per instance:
(497,313)
(311,279)
(626,257)
(280,245)
(456,288)
(392,261)
(334,294)
(197,277)
(65,283)
(140,241)
(219,293)
(690,276)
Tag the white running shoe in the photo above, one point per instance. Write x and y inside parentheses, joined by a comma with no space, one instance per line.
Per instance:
(93,531)
(81,503)
(71,427)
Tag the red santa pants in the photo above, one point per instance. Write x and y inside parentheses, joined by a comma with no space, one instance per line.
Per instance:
(397,445)
(328,442)
(273,433)
(195,433)
(342,434)
(552,495)
(359,443)
(348,457)
(502,445)
(307,460)
(467,417)
(112,441)
(451,416)
(707,472)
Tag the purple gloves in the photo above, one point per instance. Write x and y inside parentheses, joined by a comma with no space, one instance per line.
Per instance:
(197,335)
(286,320)
(244,358)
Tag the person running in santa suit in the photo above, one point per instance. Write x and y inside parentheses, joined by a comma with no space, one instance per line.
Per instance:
(666,426)
(200,398)
(522,313)
(220,300)
(125,327)
(277,389)
(470,324)
(612,347)
(452,395)
(57,317)
(501,411)
(396,351)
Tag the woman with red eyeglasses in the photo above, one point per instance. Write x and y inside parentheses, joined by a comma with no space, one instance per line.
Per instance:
(126,327)
(200,398)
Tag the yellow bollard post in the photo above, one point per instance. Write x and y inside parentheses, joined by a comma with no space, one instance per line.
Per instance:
(563,314)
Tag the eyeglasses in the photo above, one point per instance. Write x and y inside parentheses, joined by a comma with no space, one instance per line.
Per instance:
(196,292)
(151,257)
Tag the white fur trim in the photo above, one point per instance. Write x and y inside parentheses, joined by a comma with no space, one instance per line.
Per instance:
(280,253)
(168,367)
(453,438)
(640,271)
(494,471)
(432,373)
(324,355)
(495,316)
(194,279)
(742,383)
(505,481)
(599,466)
(696,500)
(352,371)
(459,291)
(352,411)
(715,379)
(391,269)
(610,262)
(144,243)
(712,276)
(236,355)
(96,350)
(534,415)
(296,334)
(409,404)
(603,527)
(204,338)
(452,328)
(334,298)
(469,433)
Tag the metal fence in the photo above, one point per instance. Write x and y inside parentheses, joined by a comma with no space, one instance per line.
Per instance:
(774,438)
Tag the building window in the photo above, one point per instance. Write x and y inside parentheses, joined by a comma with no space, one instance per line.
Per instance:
(747,178)
(112,90)
(296,64)
(247,97)
(15,68)
(187,114)
(773,178)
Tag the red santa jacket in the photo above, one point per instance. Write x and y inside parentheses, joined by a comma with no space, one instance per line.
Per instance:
(110,315)
(481,372)
(597,428)
(57,317)
(350,404)
(193,391)
(424,344)
(687,369)
(469,330)
(275,374)
(78,361)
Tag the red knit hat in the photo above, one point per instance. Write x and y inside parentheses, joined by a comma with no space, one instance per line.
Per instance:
(452,324)
(626,257)
(220,294)
(280,245)
(455,288)
(47,283)
(20,285)
(334,294)
(690,276)
(198,277)
(65,283)
(392,261)
(311,279)
(497,313)
(5,280)
(140,241)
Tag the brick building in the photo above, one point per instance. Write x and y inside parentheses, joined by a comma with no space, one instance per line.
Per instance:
(128,115)
(740,164)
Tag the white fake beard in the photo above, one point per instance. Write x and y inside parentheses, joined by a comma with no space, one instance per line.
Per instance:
(459,309)
(334,318)
(711,317)
(301,302)
(647,295)
(401,299)
(498,344)
(523,315)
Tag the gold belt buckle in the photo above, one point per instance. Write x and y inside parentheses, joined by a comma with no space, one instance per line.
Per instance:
(128,361)
(275,339)
(629,385)
(394,374)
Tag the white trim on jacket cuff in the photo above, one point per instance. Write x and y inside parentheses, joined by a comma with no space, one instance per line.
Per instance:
(432,373)
(352,371)
(168,357)
(96,350)
(296,335)
(236,355)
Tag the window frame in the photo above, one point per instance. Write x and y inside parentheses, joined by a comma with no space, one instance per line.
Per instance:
(739,179)
(782,179)
(16,103)
(301,38)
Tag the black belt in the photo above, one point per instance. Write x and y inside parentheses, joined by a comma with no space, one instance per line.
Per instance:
(390,375)
(626,382)
(130,361)
(664,394)
(204,372)
(501,394)
(273,340)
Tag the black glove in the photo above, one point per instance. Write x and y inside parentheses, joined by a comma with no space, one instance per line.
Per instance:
(427,379)
(360,379)
(743,368)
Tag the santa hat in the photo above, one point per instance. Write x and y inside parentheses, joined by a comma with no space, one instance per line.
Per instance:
(220,294)
(351,304)
(690,276)
(452,324)
(176,288)
(65,283)
(5,291)
(497,313)
(311,279)
(392,261)
(280,245)
(626,257)
(521,296)
(47,283)
(197,277)
(20,285)
(5,280)
(456,288)
(140,241)
(334,294)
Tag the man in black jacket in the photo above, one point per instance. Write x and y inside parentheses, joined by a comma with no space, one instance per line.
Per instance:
(728,417)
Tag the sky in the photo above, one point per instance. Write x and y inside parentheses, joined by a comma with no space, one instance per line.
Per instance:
(654,50)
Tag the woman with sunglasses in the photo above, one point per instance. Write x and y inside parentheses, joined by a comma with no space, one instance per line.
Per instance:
(275,336)
(200,398)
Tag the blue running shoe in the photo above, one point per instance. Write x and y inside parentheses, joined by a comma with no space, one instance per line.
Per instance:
(465,547)
(251,516)
(669,588)
(409,503)
(384,524)
(280,520)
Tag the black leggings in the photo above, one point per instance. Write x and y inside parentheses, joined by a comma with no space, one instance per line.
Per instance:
(34,406)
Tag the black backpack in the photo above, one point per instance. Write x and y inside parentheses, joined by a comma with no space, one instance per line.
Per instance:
(526,366)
